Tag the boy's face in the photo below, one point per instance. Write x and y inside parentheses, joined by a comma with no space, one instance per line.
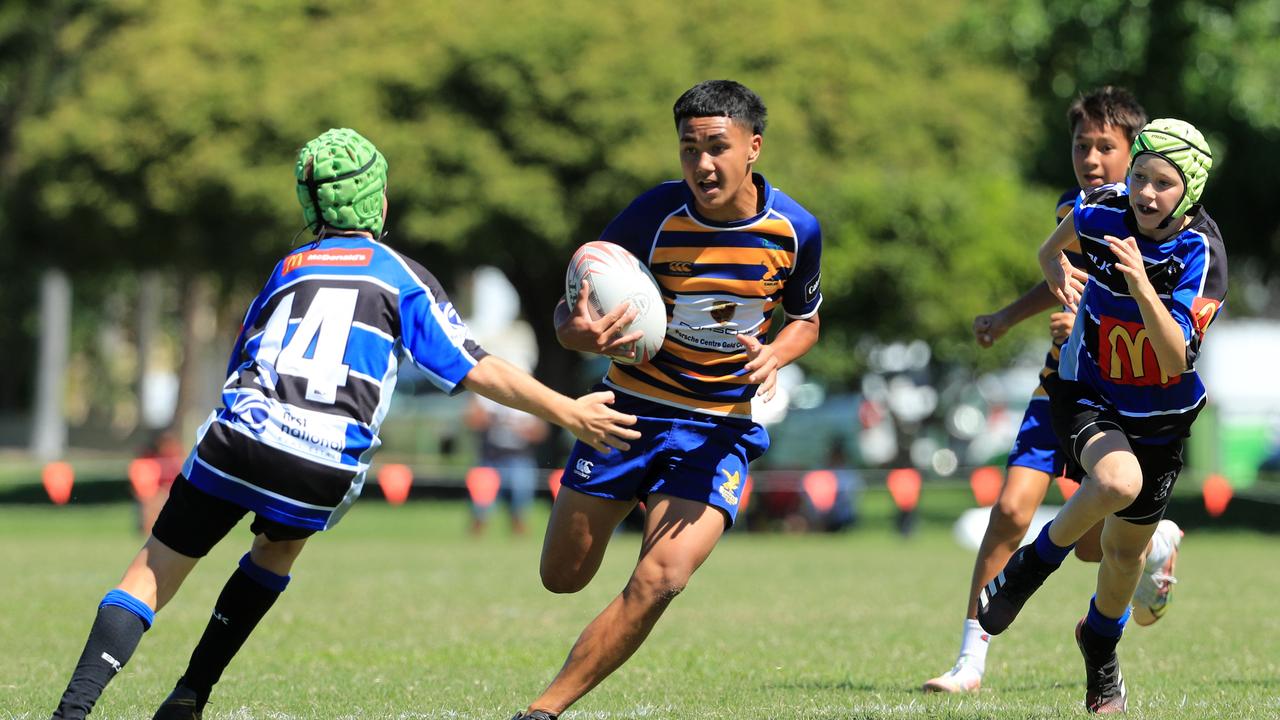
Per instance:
(1099,154)
(1155,189)
(716,155)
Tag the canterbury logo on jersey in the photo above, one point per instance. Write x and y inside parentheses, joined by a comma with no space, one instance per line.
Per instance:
(583,468)
(327,258)
(680,268)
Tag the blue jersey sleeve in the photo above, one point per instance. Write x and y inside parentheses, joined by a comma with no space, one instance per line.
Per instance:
(433,334)
(1199,295)
(803,292)
(636,227)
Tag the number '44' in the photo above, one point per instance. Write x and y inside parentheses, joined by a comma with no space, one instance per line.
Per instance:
(316,349)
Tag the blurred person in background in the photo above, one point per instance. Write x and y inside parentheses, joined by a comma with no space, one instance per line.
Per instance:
(508,438)
(1128,391)
(310,379)
(1102,126)
(168,452)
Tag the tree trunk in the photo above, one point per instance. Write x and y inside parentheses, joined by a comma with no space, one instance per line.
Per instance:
(199,323)
(49,423)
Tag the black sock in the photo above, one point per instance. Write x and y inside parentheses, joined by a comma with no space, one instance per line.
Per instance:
(245,599)
(114,636)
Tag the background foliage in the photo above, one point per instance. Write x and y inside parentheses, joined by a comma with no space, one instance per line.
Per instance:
(928,137)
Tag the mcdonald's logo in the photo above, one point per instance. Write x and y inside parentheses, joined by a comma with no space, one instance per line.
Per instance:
(1203,310)
(1126,355)
(332,258)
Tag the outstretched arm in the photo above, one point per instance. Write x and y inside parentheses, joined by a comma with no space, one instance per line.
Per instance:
(589,418)
(1061,277)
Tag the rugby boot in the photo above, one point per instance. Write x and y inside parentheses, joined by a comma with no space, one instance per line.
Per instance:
(1104,685)
(960,679)
(1002,598)
(1155,588)
(182,704)
(535,715)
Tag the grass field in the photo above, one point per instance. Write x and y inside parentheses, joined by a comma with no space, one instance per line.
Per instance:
(398,614)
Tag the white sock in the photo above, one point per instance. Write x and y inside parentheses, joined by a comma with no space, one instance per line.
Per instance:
(973,646)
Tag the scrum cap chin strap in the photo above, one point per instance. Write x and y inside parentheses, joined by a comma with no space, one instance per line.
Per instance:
(313,186)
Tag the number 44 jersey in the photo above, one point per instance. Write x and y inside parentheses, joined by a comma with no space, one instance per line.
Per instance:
(312,374)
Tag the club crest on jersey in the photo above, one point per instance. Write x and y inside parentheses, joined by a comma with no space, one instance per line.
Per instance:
(327,258)
(252,411)
(722,312)
(452,325)
(729,488)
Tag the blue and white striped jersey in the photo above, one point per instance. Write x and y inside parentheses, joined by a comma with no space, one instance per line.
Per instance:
(1109,349)
(311,377)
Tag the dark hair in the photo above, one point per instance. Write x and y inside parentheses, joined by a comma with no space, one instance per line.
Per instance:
(722,98)
(1108,105)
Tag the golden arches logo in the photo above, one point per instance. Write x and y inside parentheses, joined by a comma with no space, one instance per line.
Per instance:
(1125,351)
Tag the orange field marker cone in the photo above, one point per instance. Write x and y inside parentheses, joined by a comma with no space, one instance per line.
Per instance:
(482,485)
(553,482)
(144,476)
(1217,495)
(821,487)
(1067,487)
(395,481)
(58,477)
(904,486)
(985,483)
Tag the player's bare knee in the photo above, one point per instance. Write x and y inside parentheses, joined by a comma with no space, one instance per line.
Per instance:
(561,580)
(658,586)
(1118,489)
(1011,518)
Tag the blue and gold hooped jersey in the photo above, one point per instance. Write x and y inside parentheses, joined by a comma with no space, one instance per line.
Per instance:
(718,280)
(1109,348)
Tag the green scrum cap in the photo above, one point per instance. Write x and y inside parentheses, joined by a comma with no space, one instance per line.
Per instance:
(1185,148)
(344,188)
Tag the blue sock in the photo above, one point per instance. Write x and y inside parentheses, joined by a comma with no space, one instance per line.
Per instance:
(1048,551)
(1103,625)
(122,599)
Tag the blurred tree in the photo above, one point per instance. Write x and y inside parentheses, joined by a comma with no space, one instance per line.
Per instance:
(516,132)
(1214,63)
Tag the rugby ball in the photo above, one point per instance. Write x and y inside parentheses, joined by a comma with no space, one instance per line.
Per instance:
(615,276)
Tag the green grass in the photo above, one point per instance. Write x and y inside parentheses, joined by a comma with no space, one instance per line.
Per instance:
(398,614)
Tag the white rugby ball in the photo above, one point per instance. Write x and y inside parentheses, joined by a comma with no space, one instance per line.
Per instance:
(615,276)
